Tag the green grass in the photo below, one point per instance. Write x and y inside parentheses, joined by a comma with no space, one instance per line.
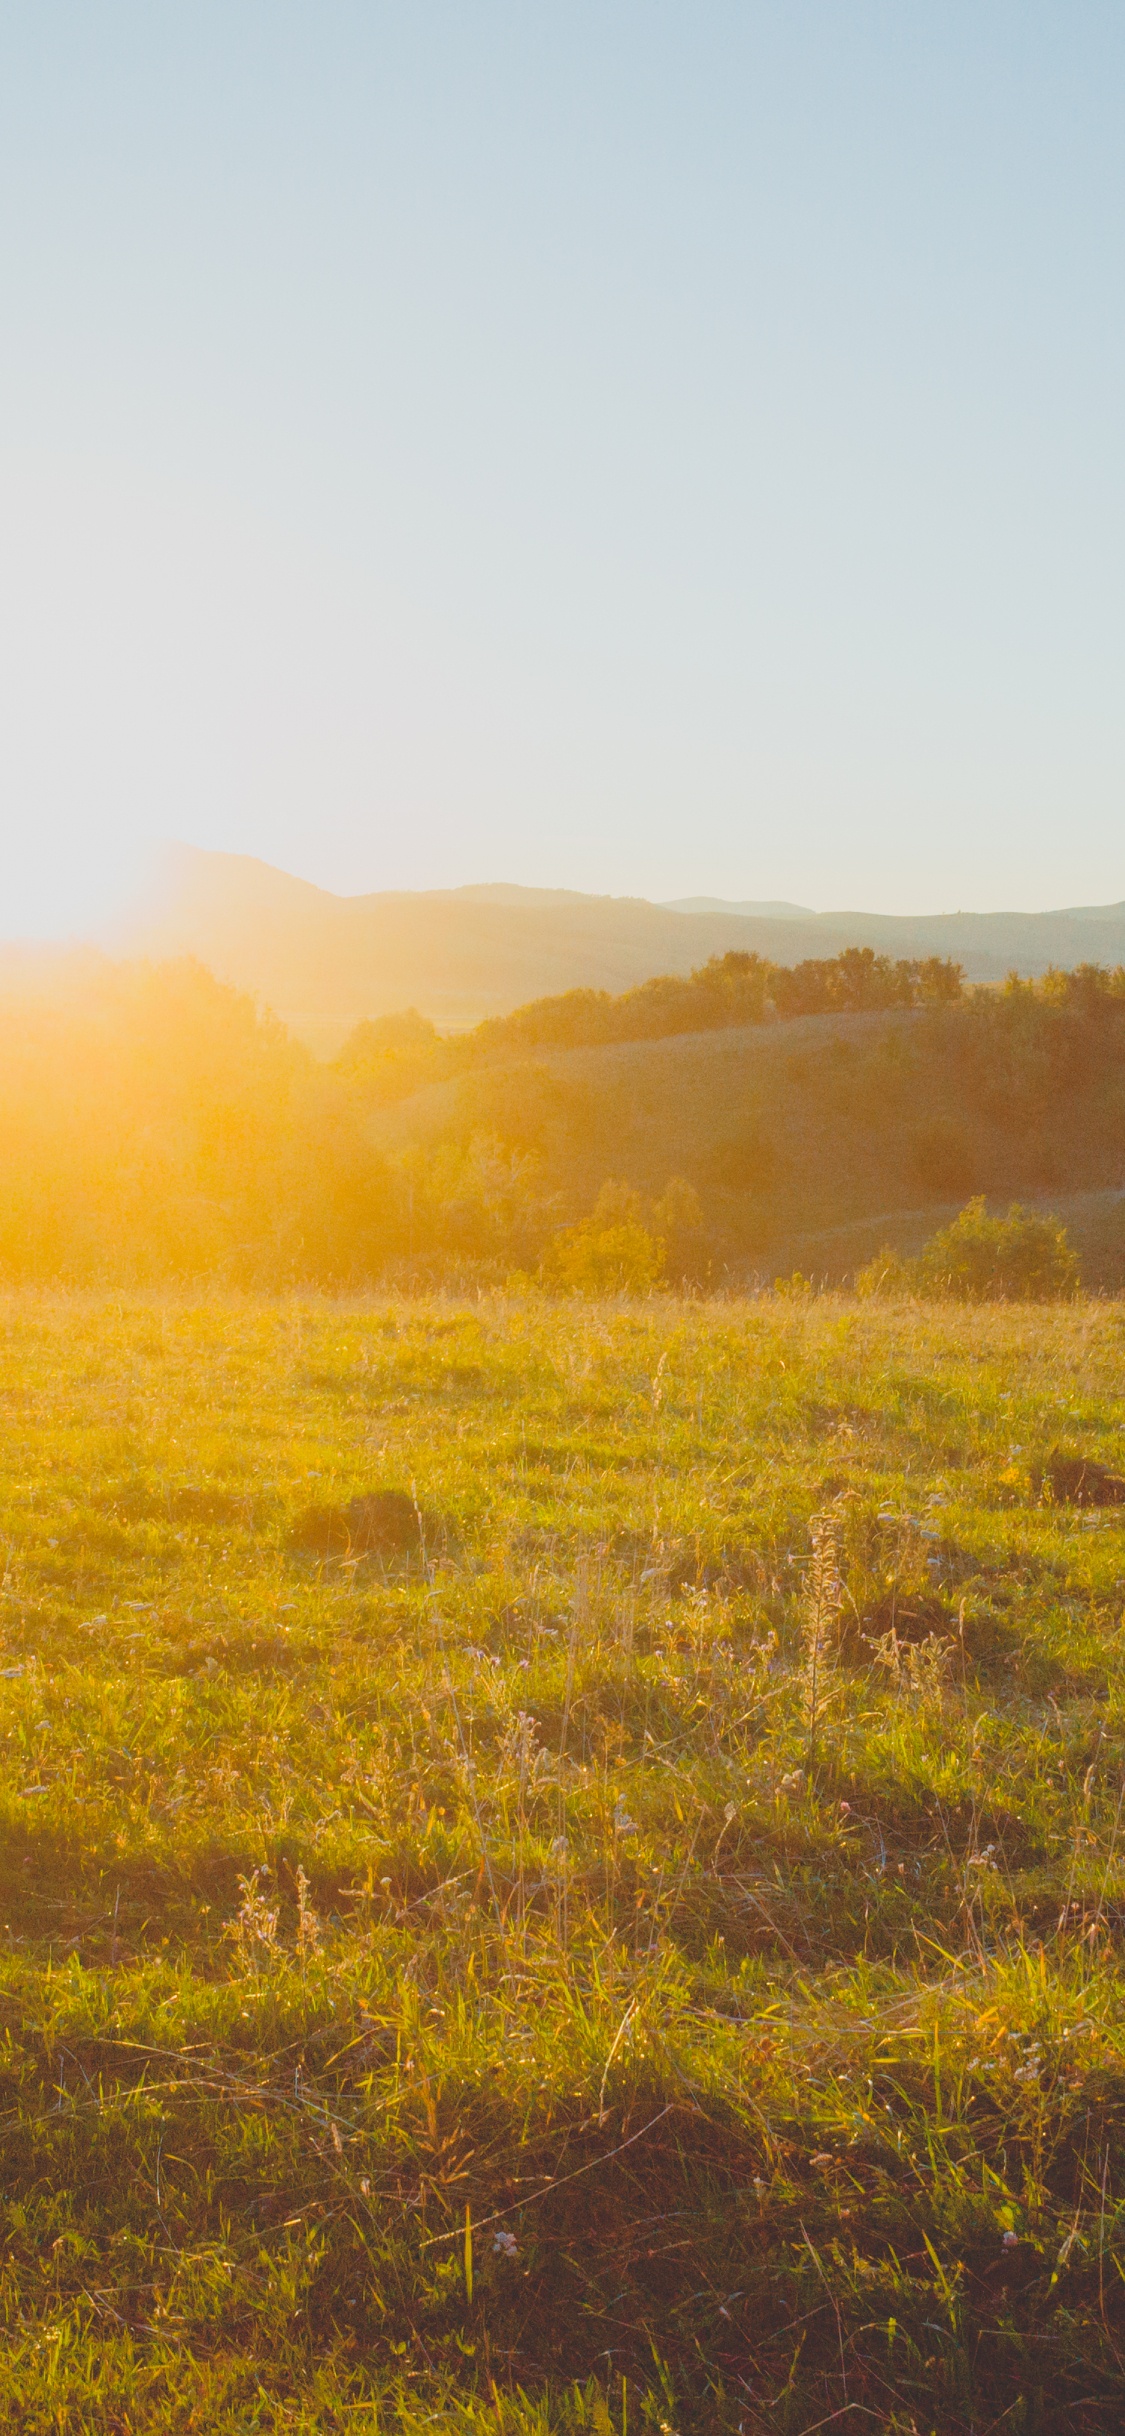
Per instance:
(501,1991)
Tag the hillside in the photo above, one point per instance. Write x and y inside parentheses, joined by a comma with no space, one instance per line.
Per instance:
(323,961)
(157,1126)
(988,945)
(811,1142)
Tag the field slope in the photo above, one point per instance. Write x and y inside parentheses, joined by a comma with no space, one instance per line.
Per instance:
(562,1868)
(813,1141)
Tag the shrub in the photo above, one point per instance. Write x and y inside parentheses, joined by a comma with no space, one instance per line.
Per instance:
(887,1274)
(479,1200)
(610,1252)
(387,1057)
(1023,1258)
(677,1223)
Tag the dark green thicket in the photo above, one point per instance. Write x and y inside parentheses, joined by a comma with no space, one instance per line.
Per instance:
(395,1054)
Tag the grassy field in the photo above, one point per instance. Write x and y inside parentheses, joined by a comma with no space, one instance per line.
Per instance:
(636,1951)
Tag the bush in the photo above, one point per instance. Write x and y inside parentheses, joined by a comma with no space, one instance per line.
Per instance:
(610,1252)
(1023,1258)
(677,1223)
(887,1275)
(480,1200)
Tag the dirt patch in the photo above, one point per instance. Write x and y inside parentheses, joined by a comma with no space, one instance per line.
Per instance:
(1076,1480)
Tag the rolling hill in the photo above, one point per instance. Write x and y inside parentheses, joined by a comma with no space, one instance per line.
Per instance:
(988,945)
(814,1141)
(324,961)
(157,1125)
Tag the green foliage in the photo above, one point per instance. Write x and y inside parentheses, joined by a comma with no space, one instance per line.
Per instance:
(479,1200)
(886,1274)
(1023,1258)
(158,1128)
(790,1136)
(1089,989)
(397,1054)
(620,1248)
(859,982)
(677,1222)
(611,1251)
(387,1056)
(155,1125)
(730,989)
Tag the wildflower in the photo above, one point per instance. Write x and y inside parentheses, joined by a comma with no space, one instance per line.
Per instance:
(504,2244)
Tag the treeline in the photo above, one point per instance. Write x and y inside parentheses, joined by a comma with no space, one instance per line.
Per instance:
(394,1055)
(155,1126)
(802,1130)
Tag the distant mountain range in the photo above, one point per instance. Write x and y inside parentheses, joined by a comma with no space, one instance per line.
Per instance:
(771,909)
(323,961)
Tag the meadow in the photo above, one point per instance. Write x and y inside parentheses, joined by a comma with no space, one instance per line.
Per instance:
(562,1866)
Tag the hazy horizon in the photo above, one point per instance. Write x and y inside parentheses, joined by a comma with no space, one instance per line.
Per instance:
(116,923)
(161,865)
(646,452)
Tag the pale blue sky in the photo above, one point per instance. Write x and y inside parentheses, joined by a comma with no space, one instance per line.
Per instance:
(663,449)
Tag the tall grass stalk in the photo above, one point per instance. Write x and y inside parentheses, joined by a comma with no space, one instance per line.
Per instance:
(820,1618)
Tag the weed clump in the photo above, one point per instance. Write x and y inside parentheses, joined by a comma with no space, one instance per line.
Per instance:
(610,1252)
(381,1522)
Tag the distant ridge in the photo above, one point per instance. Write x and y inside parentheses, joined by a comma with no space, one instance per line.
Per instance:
(770,909)
(323,961)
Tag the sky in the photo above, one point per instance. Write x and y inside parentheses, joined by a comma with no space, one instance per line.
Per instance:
(656,449)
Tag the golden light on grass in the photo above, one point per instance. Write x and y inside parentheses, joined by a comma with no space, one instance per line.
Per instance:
(463,1985)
